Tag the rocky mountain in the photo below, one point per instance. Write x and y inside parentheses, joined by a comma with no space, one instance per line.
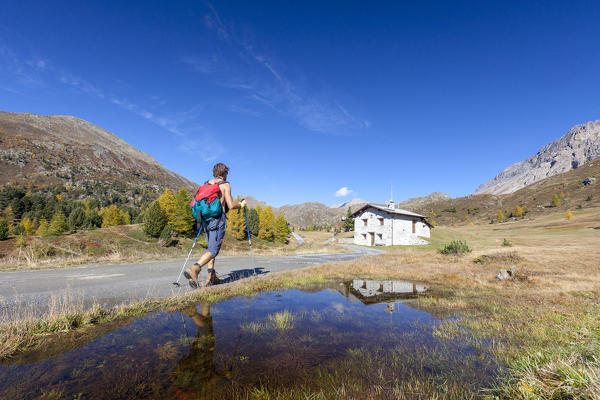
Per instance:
(58,149)
(580,144)
(354,203)
(415,203)
(577,189)
(311,213)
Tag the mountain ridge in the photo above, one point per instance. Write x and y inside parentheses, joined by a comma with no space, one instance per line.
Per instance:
(40,149)
(580,144)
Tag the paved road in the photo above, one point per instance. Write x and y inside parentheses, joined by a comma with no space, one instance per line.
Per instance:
(109,285)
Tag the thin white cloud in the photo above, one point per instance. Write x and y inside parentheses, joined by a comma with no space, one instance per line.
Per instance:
(205,147)
(343,192)
(272,88)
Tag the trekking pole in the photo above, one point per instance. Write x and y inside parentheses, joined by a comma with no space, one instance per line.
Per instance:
(249,240)
(186,260)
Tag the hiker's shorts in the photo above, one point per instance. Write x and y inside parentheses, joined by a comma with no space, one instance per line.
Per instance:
(215,232)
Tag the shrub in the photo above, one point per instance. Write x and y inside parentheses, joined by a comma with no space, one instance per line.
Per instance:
(506,242)
(18,230)
(3,229)
(166,236)
(455,247)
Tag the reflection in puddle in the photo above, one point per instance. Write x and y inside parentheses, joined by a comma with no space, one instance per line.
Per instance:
(369,291)
(340,342)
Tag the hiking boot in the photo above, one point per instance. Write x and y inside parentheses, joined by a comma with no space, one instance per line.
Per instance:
(212,278)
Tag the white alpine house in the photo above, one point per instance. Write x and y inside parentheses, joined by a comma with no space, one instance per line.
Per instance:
(377,225)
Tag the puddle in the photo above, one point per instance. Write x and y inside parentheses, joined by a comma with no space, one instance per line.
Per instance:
(353,340)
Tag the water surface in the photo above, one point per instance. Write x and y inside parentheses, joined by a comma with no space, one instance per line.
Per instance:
(358,339)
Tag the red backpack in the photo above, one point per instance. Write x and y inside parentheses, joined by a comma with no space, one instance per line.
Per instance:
(206,204)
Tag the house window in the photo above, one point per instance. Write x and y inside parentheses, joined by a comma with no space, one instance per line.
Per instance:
(364,235)
(365,221)
(380,220)
(379,236)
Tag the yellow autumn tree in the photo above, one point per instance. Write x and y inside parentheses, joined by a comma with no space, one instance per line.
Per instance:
(27,226)
(265,225)
(184,220)
(111,216)
(280,229)
(555,201)
(500,216)
(43,228)
(236,224)
(569,215)
(518,211)
(167,203)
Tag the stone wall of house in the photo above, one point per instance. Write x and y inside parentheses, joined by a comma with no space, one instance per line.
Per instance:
(379,228)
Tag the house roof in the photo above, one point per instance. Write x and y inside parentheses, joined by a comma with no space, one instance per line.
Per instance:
(397,211)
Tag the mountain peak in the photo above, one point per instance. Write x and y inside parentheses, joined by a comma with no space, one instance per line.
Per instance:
(580,144)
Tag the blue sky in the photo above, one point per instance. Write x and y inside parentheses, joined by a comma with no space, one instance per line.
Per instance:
(302,99)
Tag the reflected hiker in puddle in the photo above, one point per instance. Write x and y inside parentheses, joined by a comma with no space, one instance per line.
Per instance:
(209,207)
(196,373)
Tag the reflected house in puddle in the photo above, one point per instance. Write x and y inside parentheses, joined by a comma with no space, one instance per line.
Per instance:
(372,292)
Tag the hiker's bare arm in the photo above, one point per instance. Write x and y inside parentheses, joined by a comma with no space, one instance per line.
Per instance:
(232,205)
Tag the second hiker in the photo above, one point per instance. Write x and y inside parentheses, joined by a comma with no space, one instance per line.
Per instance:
(210,206)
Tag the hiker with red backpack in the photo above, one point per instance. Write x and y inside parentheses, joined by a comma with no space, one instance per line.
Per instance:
(209,207)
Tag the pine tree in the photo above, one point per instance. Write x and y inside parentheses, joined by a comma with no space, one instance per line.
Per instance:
(280,229)
(184,221)
(58,225)
(253,221)
(155,220)
(265,228)
(518,211)
(42,230)
(236,224)
(111,216)
(349,222)
(76,219)
(92,220)
(167,203)
(3,229)
(500,216)
(555,201)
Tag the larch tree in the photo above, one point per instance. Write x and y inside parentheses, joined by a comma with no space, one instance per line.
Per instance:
(184,221)
(111,216)
(58,225)
(167,203)
(236,224)
(500,216)
(265,228)
(555,201)
(42,230)
(518,211)
(280,229)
